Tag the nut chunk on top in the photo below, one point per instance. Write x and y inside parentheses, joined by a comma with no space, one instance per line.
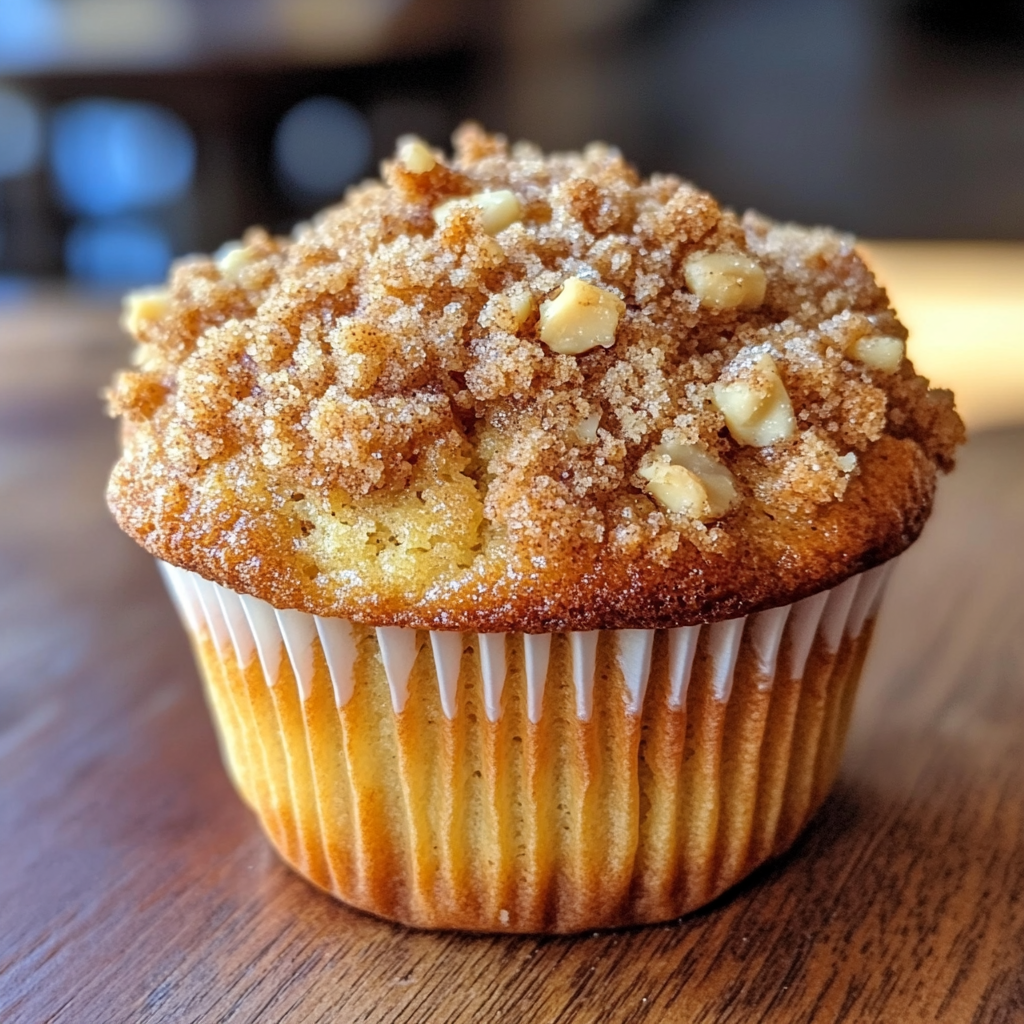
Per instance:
(505,390)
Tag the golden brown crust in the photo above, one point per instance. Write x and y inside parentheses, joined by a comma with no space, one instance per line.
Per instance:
(881,514)
(370,421)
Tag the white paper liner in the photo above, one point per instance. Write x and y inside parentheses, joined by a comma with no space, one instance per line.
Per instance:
(245,627)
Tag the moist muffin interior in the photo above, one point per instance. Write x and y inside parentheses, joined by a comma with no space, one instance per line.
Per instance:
(364,419)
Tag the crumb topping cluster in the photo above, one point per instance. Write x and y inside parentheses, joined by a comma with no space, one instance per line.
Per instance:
(506,359)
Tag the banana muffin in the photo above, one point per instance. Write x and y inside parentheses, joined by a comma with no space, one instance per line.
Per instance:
(529,520)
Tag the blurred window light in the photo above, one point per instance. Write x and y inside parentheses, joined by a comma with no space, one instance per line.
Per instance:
(321,145)
(21,133)
(29,32)
(117,252)
(132,31)
(112,156)
(336,28)
(40,33)
(15,289)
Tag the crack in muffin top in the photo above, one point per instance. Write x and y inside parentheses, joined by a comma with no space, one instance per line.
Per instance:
(512,391)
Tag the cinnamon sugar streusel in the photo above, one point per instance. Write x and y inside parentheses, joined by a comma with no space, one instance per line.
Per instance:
(521,391)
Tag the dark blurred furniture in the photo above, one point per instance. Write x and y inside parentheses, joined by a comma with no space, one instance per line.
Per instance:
(232,113)
(135,886)
(903,119)
(230,70)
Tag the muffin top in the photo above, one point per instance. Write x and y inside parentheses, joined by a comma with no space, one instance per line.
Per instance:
(511,391)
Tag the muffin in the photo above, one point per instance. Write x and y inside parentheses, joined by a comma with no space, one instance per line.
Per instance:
(529,520)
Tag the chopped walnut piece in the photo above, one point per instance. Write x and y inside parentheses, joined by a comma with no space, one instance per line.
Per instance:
(684,478)
(725,280)
(498,209)
(522,306)
(586,429)
(878,352)
(677,489)
(144,306)
(580,318)
(233,257)
(756,407)
(414,155)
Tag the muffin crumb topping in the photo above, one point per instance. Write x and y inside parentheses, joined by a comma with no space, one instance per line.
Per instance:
(481,374)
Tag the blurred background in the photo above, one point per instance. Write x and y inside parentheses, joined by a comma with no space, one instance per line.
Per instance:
(134,131)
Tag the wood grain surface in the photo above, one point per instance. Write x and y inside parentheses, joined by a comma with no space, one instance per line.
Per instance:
(135,887)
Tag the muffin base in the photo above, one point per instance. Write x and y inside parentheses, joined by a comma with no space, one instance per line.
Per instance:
(517,812)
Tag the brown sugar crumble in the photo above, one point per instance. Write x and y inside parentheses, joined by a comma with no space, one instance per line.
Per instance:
(517,391)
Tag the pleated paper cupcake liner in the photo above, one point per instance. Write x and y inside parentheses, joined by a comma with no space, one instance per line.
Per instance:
(530,783)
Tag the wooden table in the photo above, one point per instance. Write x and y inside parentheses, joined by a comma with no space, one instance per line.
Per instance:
(135,887)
